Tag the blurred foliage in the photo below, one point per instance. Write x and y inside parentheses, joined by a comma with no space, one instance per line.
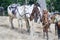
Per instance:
(6,3)
(57,5)
(52,5)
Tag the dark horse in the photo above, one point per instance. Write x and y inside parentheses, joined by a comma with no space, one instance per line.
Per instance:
(45,23)
(58,27)
(57,24)
(35,13)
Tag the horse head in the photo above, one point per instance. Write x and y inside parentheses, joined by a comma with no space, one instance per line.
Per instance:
(45,17)
(35,13)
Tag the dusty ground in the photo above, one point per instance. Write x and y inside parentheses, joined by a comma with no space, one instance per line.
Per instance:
(6,33)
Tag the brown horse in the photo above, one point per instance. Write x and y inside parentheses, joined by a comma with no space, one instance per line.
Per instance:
(45,22)
(35,13)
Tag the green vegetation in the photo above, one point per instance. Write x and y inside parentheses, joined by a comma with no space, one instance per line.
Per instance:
(52,5)
(6,3)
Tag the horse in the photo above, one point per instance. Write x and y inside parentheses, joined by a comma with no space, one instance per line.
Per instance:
(20,12)
(57,24)
(45,22)
(36,13)
(16,11)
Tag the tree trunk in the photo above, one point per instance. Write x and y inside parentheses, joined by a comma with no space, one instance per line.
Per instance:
(42,4)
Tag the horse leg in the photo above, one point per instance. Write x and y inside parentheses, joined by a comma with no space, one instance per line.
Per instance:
(43,33)
(47,35)
(20,24)
(27,25)
(11,21)
(56,28)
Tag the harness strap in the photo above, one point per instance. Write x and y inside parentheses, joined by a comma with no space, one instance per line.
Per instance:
(20,14)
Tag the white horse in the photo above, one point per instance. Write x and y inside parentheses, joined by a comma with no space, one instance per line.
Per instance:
(20,12)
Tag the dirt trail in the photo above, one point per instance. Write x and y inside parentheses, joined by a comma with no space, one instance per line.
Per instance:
(6,33)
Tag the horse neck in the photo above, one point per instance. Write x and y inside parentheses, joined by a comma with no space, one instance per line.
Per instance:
(45,17)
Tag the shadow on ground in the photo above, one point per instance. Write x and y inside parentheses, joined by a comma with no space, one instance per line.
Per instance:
(23,31)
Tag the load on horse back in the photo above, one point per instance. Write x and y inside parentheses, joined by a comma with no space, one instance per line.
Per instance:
(57,24)
(46,22)
(12,13)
